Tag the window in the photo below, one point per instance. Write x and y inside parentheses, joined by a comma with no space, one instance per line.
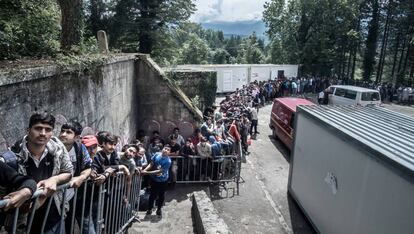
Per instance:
(350,94)
(370,96)
(331,90)
(340,92)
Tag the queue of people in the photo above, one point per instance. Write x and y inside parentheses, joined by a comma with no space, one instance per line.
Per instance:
(43,161)
(297,86)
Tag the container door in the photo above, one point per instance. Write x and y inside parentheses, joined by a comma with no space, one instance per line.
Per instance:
(227,81)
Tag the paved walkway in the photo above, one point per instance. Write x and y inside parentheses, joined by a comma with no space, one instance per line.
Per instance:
(176,216)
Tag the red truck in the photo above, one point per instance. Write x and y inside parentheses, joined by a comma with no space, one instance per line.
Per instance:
(282,117)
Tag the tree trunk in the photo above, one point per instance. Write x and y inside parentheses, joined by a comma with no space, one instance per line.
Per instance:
(371,43)
(343,62)
(71,22)
(401,61)
(349,63)
(394,63)
(147,25)
(412,73)
(383,45)
(355,47)
(95,17)
(404,68)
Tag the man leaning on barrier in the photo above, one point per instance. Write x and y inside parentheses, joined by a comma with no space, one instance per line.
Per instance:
(18,188)
(45,159)
(70,136)
(158,169)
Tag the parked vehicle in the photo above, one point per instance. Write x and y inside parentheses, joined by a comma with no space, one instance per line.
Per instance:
(282,116)
(352,169)
(353,95)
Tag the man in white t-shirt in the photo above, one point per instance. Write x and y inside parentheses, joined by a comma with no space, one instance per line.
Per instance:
(321,96)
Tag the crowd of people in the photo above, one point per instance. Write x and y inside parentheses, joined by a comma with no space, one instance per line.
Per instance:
(43,161)
(402,94)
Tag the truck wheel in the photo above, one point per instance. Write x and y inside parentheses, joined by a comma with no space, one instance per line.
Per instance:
(274,134)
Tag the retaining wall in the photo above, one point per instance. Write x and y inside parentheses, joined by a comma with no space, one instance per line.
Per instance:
(121,96)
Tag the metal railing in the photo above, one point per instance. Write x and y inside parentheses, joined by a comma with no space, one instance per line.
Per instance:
(107,208)
(218,169)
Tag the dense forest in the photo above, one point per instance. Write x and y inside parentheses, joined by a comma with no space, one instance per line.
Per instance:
(160,28)
(347,39)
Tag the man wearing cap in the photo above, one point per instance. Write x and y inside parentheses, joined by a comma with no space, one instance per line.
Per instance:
(91,144)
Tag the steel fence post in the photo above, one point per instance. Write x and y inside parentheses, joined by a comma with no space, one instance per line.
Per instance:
(47,214)
(15,218)
(74,203)
(90,206)
(99,215)
(32,213)
(62,213)
(85,187)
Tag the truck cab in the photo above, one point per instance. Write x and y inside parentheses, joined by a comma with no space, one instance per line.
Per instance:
(282,117)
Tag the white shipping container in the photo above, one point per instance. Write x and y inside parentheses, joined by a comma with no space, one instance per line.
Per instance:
(233,76)
(352,169)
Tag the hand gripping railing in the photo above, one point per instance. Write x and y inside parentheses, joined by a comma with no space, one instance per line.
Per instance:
(107,208)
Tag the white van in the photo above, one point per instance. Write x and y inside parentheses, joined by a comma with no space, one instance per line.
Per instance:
(353,95)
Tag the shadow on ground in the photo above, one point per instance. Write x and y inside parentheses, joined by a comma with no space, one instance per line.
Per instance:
(180,192)
(300,223)
(281,148)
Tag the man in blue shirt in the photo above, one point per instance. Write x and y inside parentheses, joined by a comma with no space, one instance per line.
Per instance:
(158,170)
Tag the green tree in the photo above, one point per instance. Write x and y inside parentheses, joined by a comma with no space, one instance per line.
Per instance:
(221,56)
(144,21)
(28,28)
(371,42)
(194,51)
(252,52)
(97,17)
(154,15)
(72,23)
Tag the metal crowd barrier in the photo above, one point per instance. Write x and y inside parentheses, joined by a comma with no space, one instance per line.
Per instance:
(107,208)
(197,169)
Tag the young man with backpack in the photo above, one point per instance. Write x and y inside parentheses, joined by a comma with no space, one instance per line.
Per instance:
(81,161)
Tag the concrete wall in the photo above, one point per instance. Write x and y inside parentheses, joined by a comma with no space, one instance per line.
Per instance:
(162,105)
(101,101)
(196,83)
(118,97)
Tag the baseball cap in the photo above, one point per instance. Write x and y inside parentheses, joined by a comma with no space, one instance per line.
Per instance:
(89,140)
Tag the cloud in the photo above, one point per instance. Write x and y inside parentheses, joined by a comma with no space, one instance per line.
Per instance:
(227,10)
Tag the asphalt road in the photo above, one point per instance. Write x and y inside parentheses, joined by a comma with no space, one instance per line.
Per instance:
(264,205)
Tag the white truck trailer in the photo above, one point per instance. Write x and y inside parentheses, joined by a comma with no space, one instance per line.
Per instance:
(352,169)
(233,76)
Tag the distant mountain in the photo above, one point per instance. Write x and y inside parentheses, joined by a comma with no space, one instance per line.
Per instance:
(242,28)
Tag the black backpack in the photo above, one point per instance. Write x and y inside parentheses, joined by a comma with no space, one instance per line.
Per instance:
(10,158)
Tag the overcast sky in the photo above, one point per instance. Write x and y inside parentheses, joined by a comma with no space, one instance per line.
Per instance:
(227,10)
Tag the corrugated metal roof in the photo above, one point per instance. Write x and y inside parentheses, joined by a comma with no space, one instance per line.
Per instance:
(293,102)
(386,132)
